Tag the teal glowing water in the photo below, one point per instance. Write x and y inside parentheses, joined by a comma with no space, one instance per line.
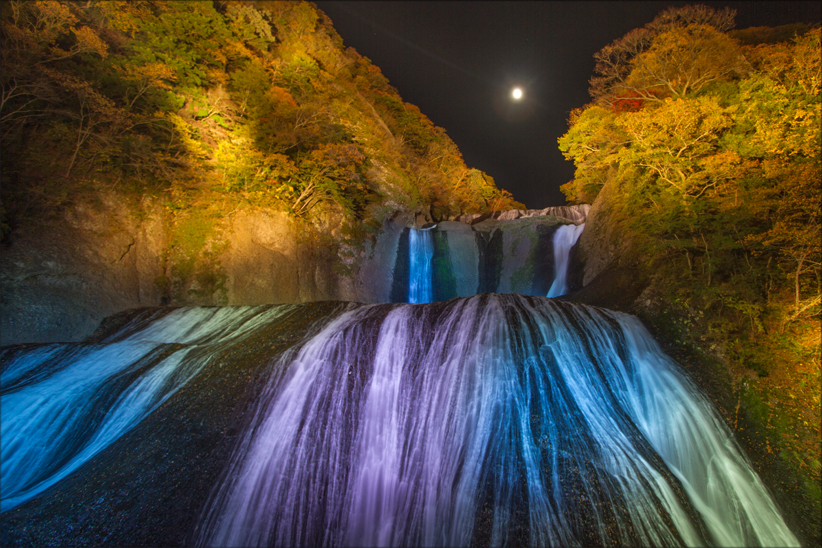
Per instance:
(63,404)
(565,238)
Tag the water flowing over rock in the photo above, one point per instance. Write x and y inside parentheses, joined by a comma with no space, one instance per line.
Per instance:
(108,260)
(53,394)
(565,238)
(420,253)
(494,419)
(493,256)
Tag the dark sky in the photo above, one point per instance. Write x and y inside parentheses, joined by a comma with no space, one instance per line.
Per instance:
(458,62)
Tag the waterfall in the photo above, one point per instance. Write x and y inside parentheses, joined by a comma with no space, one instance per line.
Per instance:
(497,419)
(420,275)
(61,404)
(564,239)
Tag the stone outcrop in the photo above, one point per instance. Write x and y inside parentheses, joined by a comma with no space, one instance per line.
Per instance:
(575,214)
(61,277)
(605,263)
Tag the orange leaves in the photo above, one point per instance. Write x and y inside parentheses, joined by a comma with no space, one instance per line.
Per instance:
(51,17)
(681,50)
(281,96)
(35,28)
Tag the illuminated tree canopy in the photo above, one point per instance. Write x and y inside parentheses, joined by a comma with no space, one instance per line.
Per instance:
(257,101)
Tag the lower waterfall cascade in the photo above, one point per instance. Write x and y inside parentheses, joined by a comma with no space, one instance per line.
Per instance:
(52,397)
(492,419)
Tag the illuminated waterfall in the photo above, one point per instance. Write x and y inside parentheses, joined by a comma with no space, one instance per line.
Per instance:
(564,239)
(496,418)
(61,404)
(420,275)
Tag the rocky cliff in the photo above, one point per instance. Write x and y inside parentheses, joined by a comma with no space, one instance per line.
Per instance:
(59,278)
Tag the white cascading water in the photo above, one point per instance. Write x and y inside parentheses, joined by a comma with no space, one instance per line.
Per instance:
(62,404)
(523,420)
(564,239)
(420,275)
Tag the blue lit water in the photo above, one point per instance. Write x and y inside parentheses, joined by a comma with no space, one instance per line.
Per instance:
(564,239)
(420,274)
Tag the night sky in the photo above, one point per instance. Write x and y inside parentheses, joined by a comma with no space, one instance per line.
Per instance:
(459,61)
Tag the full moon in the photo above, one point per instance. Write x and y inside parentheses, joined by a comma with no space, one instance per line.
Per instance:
(516,93)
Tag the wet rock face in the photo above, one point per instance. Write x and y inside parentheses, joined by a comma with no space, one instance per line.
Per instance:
(60,278)
(601,244)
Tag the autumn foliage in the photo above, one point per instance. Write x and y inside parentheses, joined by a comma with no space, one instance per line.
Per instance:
(711,145)
(254,102)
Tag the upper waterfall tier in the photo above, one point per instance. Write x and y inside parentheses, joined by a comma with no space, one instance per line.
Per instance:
(454,259)
(420,276)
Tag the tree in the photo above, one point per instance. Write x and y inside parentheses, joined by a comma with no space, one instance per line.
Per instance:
(683,60)
(616,61)
(677,140)
(593,142)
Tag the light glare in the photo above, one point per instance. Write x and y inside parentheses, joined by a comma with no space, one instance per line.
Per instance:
(517,93)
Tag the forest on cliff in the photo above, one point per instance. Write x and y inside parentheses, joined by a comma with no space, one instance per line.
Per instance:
(705,144)
(214,106)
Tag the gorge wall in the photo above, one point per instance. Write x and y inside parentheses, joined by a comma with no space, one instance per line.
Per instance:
(110,257)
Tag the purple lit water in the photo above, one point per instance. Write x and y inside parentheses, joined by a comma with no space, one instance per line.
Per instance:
(497,410)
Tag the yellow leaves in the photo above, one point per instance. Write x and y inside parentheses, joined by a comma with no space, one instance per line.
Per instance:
(723,166)
(785,119)
(807,61)
(803,137)
(89,42)
(186,135)
(52,16)
(49,21)
(593,141)
(126,16)
(151,75)
(248,169)
(683,60)
(217,76)
(675,141)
